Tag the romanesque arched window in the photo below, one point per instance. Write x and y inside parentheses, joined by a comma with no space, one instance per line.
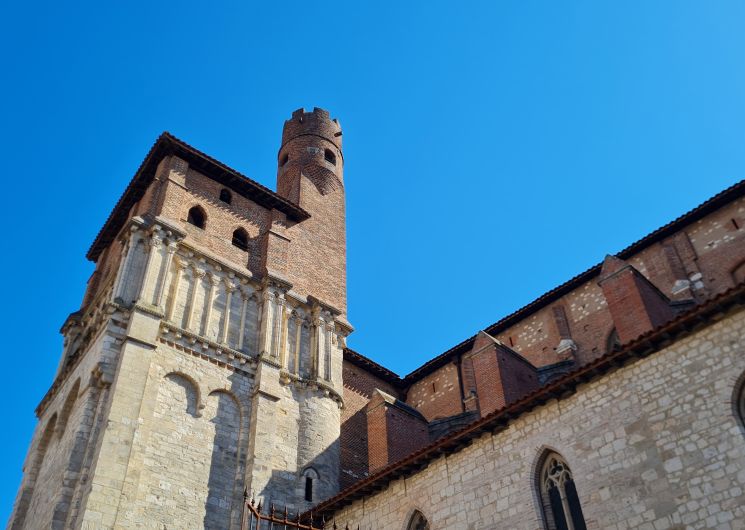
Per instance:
(240,239)
(309,480)
(418,522)
(559,499)
(196,217)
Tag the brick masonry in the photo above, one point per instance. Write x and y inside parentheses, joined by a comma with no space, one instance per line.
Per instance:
(189,349)
(653,445)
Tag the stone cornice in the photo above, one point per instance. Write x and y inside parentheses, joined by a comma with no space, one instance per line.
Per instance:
(172,333)
(74,362)
(328,390)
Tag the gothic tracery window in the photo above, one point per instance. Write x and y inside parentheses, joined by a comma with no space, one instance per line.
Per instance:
(418,522)
(561,508)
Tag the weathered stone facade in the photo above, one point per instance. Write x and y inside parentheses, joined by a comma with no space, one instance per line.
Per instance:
(209,358)
(198,368)
(654,445)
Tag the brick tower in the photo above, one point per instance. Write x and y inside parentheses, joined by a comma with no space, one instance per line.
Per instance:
(207,355)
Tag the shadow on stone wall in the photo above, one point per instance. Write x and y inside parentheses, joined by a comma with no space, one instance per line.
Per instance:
(225,484)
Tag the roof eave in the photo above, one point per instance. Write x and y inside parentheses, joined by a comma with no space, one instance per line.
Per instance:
(168,145)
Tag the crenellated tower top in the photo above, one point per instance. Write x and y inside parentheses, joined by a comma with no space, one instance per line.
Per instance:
(316,123)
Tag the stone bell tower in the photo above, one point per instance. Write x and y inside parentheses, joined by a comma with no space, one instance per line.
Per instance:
(206,358)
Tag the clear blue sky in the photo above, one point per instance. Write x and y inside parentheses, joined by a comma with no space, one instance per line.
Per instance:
(493,149)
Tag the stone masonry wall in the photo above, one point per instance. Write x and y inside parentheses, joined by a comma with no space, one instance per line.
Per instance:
(654,445)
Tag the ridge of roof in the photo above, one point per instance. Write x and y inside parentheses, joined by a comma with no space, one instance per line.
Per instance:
(166,145)
(735,191)
(698,317)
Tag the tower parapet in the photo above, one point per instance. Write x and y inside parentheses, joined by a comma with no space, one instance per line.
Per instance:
(318,123)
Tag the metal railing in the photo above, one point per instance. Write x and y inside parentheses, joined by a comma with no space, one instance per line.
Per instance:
(258,517)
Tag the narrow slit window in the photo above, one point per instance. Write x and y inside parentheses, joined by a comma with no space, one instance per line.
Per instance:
(196,217)
(240,239)
(226,196)
(309,489)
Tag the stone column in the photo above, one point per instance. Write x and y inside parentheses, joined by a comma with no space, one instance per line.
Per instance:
(210,302)
(197,275)
(327,350)
(152,269)
(161,287)
(244,307)
(229,288)
(317,343)
(175,285)
(282,346)
(298,338)
(126,264)
(267,313)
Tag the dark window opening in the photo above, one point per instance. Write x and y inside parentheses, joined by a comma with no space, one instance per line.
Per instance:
(240,239)
(284,160)
(329,156)
(225,196)
(196,217)
(561,506)
(434,389)
(309,489)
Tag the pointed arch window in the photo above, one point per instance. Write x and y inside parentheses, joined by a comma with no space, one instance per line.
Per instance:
(196,217)
(559,499)
(418,522)
(240,239)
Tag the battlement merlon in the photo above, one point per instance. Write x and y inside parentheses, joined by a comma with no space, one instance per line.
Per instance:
(315,123)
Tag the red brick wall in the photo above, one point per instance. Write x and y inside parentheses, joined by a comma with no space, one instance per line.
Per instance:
(222,219)
(316,264)
(393,433)
(713,247)
(358,389)
(437,395)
